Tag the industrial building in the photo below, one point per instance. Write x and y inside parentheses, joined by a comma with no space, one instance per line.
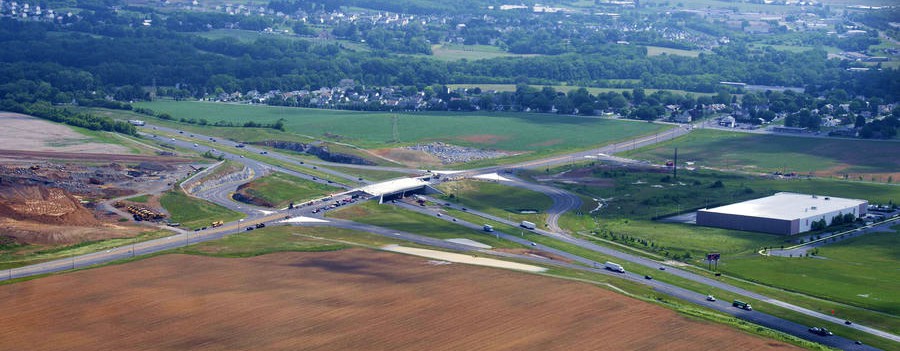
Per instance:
(782,213)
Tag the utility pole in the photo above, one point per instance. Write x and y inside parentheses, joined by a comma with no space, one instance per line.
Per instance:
(395,128)
(675,165)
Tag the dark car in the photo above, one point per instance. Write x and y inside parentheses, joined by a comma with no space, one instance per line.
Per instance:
(249,228)
(820,331)
(648,277)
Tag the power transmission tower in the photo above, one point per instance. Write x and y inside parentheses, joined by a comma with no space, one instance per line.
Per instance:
(395,126)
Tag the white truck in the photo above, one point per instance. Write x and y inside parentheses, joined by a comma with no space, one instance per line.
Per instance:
(527,225)
(615,267)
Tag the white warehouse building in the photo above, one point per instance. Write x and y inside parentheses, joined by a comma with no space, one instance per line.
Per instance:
(782,213)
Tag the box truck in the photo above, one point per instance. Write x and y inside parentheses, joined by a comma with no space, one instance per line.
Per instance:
(527,225)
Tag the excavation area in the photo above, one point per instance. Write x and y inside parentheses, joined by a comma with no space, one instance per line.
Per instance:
(341,300)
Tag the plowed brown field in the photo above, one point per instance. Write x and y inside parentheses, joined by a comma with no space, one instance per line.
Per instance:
(346,300)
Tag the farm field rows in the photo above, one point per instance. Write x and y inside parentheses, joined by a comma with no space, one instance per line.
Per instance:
(350,299)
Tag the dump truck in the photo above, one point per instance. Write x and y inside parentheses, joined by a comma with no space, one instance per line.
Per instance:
(488,228)
(742,305)
(217,224)
(527,225)
(615,267)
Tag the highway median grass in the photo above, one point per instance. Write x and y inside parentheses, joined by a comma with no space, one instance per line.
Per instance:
(33,254)
(194,213)
(396,218)
(497,199)
(285,238)
(279,189)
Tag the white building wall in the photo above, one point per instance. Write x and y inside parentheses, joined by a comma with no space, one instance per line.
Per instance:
(806,223)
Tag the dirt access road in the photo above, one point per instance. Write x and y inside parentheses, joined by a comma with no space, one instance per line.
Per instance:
(345,300)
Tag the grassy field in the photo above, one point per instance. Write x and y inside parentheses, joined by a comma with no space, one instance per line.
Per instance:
(141,198)
(369,174)
(497,199)
(645,194)
(657,50)
(285,238)
(521,132)
(194,213)
(32,254)
(450,52)
(768,153)
(413,222)
(862,271)
(279,189)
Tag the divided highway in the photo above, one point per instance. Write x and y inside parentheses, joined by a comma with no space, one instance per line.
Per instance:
(563,201)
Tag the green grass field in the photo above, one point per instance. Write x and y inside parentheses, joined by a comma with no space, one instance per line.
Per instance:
(524,132)
(863,271)
(194,213)
(657,50)
(638,194)
(768,153)
(497,199)
(450,52)
(280,189)
(413,222)
(285,238)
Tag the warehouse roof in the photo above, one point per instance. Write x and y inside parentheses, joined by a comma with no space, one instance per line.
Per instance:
(788,206)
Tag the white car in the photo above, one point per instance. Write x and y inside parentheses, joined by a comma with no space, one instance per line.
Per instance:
(710,298)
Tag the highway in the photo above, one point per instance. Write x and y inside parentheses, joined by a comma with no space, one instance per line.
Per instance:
(562,202)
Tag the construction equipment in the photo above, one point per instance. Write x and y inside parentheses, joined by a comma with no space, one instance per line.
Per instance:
(217,224)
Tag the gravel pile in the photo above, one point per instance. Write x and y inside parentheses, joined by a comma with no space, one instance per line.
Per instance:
(448,153)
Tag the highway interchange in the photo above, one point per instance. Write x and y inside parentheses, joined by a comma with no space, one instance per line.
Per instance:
(563,201)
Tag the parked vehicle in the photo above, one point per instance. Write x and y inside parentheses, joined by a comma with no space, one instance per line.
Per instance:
(615,267)
(527,225)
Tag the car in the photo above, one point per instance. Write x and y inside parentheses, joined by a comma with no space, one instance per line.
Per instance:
(464,209)
(192,135)
(710,298)
(242,156)
(195,145)
(438,214)
(287,217)
(662,268)
(848,322)
(820,331)
(173,139)
(180,132)
(263,152)
(454,219)
(858,342)
(648,277)
(533,244)
(249,228)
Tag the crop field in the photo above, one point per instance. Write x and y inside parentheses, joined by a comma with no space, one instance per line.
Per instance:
(195,213)
(497,199)
(658,50)
(279,189)
(824,157)
(351,299)
(515,132)
(861,271)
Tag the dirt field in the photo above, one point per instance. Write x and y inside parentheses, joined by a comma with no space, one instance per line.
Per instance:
(346,300)
(21,132)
